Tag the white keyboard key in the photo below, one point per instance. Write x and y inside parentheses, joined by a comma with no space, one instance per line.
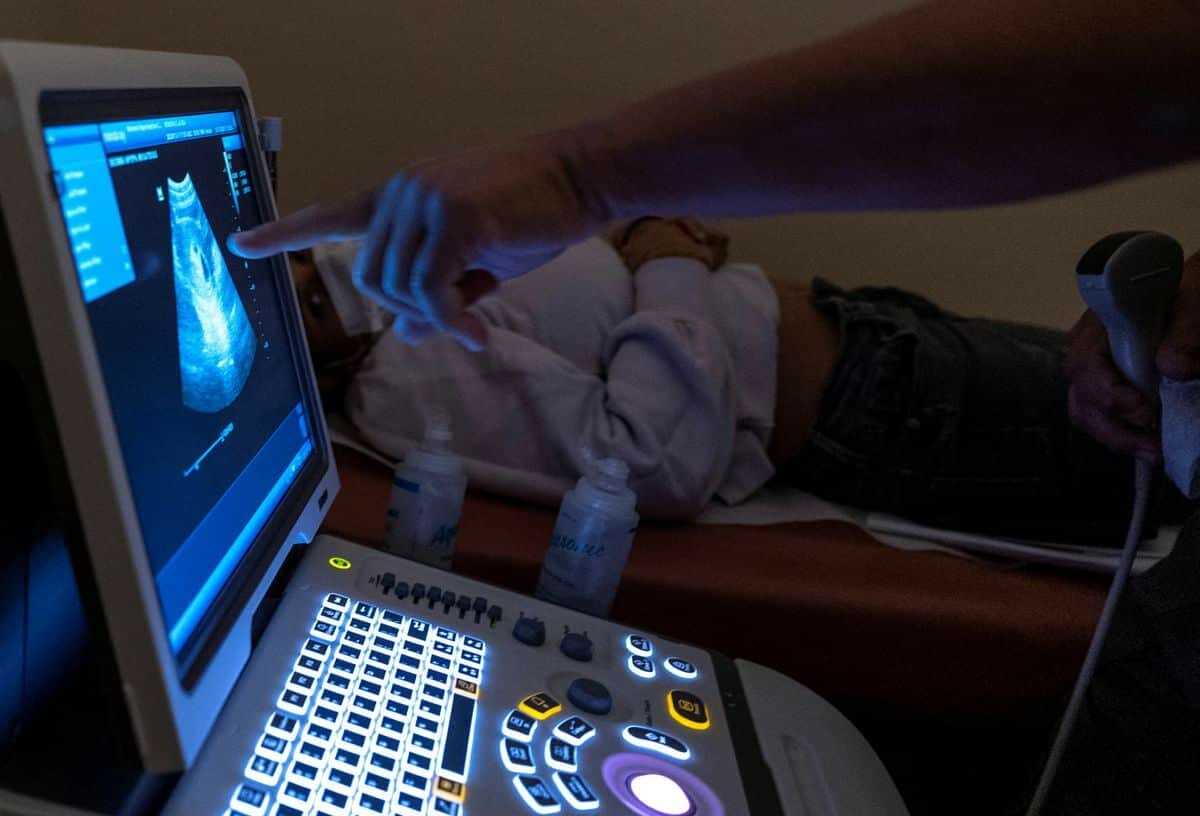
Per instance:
(377,784)
(249,800)
(263,770)
(309,664)
(274,747)
(294,702)
(324,630)
(319,733)
(297,793)
(282,726)
(340,780)
(304,772)
(346,758)
(330,801)
(410,805)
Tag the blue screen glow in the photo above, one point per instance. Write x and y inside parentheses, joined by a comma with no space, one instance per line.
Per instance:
(192,340)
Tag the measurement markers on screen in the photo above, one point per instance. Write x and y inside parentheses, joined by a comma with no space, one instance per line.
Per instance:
(228,429)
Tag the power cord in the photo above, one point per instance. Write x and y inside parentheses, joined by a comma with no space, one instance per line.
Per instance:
(1142,481)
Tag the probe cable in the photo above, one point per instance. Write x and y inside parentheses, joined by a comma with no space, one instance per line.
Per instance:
(1143,476)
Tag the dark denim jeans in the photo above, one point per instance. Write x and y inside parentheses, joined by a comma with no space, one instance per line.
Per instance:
(957,422)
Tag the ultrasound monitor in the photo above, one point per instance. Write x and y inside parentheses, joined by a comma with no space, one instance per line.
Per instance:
(176,371)
(192,342)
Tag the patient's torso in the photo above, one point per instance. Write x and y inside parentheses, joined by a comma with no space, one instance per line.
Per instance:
(570,305)
(519,404)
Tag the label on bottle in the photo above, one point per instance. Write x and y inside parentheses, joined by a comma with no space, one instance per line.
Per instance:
(422,522)
(587,555)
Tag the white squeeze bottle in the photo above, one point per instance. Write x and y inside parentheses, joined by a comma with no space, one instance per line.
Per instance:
(427,497)
(591,542)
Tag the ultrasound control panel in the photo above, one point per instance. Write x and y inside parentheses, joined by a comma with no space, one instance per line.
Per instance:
(577,714)
(383,686)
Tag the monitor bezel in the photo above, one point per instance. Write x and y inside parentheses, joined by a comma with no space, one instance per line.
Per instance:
(171,711)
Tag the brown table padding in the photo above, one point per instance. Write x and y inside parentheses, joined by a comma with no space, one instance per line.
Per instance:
(893,633)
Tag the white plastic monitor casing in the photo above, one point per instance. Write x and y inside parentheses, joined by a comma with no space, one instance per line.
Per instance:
(170,721)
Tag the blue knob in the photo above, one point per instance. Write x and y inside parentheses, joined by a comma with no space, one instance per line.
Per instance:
(590,696)
(530,631)
(576,646)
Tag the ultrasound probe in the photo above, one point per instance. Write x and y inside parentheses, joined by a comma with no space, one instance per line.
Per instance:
(1129,280)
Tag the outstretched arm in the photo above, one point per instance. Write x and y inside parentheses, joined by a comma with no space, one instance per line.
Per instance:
(945,104)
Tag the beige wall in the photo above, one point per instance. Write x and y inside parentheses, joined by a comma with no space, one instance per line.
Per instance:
(366,86)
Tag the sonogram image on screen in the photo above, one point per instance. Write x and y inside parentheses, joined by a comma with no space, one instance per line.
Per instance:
(216,341)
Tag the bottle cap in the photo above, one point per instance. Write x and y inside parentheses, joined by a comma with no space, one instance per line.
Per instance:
(437,431)
(604,486)
(610,474)
(435,453)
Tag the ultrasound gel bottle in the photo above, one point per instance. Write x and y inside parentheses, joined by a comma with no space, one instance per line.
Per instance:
(427,497)
(591,542)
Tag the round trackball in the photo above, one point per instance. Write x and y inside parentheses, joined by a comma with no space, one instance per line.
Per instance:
(661,794)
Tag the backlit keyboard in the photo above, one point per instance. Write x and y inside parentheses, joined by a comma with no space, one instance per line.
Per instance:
(376,716)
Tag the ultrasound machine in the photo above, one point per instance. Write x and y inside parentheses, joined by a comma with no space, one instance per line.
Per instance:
(177,638)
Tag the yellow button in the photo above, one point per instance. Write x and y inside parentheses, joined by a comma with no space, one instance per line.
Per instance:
(337,562)
(448,788)
(466,687)
(688,710)
(540,705)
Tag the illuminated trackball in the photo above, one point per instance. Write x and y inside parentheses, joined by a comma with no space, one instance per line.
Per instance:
(650,786)
(661,794)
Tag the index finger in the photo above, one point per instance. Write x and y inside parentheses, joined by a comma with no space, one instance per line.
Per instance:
(320,222)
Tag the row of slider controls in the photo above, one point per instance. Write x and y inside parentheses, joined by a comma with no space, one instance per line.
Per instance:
(447,598)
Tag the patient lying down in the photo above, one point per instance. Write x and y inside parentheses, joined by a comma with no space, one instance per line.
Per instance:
(710,379)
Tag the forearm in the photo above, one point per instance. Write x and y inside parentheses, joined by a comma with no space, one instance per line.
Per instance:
(947,104)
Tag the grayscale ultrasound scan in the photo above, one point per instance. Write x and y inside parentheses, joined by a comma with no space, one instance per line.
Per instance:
(216,341)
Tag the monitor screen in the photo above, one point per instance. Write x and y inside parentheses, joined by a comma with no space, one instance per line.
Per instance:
(206,388)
